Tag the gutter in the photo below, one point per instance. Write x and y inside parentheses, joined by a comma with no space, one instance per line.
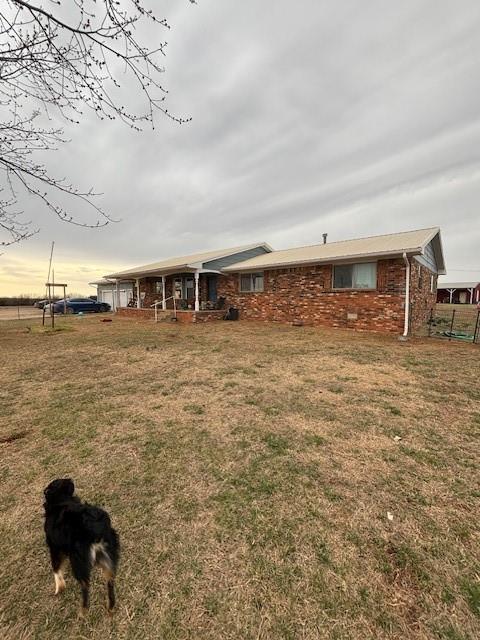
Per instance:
(407,294)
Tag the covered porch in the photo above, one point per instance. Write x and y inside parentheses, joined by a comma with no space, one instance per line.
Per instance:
(189,296)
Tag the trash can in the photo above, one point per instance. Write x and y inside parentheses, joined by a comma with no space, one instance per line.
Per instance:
(232,314)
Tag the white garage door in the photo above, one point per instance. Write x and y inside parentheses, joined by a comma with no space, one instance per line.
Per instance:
(107,296)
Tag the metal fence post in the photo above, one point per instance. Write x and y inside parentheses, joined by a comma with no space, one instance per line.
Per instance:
(476,332)
(451,325)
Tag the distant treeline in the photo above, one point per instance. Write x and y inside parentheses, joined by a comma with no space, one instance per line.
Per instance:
(22,300)
(27,299)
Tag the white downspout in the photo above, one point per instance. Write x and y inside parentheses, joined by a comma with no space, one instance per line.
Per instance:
(407,294)
(197,300)
(139,302)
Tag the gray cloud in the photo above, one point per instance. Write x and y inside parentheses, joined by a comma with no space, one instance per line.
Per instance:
(307,117)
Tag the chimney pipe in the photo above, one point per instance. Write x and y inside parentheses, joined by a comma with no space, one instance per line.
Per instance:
(325,238)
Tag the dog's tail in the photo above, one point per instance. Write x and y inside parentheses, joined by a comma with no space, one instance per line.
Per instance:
(106,553)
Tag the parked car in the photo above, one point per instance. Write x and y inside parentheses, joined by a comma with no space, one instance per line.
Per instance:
(39,304)
(77,305)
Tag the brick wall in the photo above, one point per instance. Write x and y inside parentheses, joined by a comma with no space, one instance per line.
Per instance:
(183,317)
(422,298)
(133,312)
(305,294)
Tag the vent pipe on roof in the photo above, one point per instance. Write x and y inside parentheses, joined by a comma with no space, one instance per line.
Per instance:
(325,238)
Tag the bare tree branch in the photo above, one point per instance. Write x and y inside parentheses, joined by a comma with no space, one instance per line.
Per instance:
(67,56)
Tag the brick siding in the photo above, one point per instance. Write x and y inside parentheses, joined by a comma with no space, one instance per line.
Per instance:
(422,298)
(133,312)
(305,295)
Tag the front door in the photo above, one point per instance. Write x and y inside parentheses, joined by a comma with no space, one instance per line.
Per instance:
(212,288)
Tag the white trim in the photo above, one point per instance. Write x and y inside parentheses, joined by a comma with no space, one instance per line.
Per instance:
(139,302)
(407,295)
(197,298)
(164,302)
(451,292)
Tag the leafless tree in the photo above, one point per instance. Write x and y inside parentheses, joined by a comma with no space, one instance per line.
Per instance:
(61,58)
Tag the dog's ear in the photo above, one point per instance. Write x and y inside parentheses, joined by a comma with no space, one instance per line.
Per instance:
(60,488)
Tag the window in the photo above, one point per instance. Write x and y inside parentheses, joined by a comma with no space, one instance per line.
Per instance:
(158,286)
(250,282)
(189,288)
(177,288)
(355,276)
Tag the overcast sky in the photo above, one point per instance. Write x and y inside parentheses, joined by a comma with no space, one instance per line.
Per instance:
(349,117)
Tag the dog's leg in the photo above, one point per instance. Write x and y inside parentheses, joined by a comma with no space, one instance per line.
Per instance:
(85,587)
(58,561)
(110,580)
(105,564)
(81,568)
(111,594)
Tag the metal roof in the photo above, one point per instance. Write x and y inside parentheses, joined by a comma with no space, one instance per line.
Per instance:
(185,262)
(457,285)
(101,281)
(394,244)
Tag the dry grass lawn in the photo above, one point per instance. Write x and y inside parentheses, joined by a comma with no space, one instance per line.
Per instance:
(249,470)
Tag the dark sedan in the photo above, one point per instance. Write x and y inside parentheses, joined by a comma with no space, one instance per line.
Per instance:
(80,305)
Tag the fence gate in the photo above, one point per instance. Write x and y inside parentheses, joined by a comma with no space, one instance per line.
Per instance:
(455,322)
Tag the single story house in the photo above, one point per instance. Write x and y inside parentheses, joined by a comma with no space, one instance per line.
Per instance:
(384,283)
(458,292)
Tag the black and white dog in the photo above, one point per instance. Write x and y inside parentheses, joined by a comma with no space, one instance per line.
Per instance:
(83,534)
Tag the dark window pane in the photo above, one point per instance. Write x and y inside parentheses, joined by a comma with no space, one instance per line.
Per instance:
(342,276)
(245,282)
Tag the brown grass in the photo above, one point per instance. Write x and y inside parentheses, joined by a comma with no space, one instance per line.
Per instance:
(249,470)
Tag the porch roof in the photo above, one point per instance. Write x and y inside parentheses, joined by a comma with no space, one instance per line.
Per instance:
(187,263)
(457,285)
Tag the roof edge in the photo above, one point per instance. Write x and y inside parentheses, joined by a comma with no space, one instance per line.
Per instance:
(234,268)
(137,271)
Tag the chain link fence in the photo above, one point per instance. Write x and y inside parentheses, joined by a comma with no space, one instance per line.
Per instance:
(454,322)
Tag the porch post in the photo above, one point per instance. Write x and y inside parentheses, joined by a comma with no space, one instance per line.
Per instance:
(471,295)
(117,301)
(139,304)
(164,304)
(197,301)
